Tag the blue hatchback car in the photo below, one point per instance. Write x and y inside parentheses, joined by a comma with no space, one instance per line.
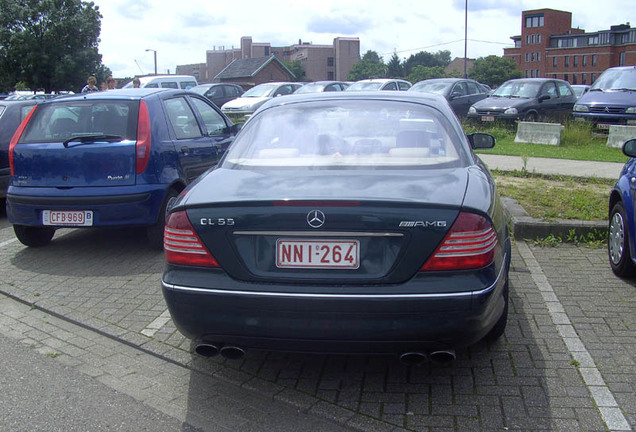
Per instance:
(110,159)
(621,242)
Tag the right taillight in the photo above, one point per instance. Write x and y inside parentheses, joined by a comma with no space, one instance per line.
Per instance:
(471,243)
(144,138)
(16,137)
(182,245)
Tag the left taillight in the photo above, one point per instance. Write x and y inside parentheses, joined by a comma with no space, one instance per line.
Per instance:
(144,138)
(16,137)
(471,243)
(182,245)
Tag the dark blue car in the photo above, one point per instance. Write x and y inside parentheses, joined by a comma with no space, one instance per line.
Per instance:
(110,159)
(348,222)
(611,100)
(621,244)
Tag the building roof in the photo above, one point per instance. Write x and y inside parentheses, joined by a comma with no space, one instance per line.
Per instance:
(249,67)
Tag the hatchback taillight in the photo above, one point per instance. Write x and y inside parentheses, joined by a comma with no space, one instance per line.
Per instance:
(144,138)
(471,243)
(16,137)
(182,245)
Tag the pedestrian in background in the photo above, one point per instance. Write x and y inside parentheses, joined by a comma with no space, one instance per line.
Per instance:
(136,82)
(111,83)
(91,85)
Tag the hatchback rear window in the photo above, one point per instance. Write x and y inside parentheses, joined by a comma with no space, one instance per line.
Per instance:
(60,121)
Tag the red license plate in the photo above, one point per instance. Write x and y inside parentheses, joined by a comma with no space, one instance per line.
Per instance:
(67,217)
(328,254)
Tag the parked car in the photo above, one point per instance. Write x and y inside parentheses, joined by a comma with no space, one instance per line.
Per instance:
(11,115)
(611,99)
(110,159)
(323,86)
(580,89)
(252,99)
(527,99)
(184,82)
(347,222)
(460,93)
(219,93)
(621,240)
(380,84)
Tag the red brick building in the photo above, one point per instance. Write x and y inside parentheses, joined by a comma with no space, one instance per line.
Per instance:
(550,47)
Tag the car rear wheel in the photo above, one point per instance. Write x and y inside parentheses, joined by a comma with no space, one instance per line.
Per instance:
(500,326)
(155,232)
(618,248)
(33,236)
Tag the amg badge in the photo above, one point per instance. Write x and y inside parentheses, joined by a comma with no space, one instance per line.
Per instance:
(423,224)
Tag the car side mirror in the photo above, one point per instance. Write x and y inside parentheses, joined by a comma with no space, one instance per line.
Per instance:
(480,140)
(455,95)
(543,98)
(235,128)
(629,148)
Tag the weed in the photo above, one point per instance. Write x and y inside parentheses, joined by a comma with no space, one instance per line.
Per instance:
(549,241)
(575,363)
(53,354)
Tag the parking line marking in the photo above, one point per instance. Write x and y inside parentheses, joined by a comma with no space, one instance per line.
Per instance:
(601,394)
(8,242)
(156,325)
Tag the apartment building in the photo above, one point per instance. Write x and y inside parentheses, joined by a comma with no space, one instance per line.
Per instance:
(549,47)
(319,62)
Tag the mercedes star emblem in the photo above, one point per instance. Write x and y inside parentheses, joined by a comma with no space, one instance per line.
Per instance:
(315,218)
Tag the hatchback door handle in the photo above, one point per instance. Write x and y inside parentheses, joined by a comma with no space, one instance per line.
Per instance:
(185,150)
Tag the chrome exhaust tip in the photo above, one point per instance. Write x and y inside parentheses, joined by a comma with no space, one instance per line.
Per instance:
(232,352)
(442,357)
(207,349)
(412,358)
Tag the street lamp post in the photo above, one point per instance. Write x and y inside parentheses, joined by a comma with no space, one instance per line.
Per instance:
(465,38)
(155,53)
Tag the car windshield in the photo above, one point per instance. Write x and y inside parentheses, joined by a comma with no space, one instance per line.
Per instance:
(200,89)
(347,134)
(59,122)
(363,86)
(430,87)
(521,89)
(616,79)
(260,91)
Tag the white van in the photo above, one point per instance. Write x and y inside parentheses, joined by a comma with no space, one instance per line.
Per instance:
(166,81)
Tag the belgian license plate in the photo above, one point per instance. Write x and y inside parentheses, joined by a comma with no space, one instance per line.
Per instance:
(67,217)
(603,126)
(327,254)
(488,118)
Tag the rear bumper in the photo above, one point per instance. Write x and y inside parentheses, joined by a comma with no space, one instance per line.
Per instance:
(334,323)
(118,206)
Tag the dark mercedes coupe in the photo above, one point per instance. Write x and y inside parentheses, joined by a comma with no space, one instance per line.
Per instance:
(348,222)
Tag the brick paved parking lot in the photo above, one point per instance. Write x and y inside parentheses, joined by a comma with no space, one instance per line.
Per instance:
(566,363)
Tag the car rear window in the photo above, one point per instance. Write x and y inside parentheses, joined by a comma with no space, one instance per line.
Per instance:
(345,134)
(60,121)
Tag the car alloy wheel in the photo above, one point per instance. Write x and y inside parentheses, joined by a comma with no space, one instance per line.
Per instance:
(618,243)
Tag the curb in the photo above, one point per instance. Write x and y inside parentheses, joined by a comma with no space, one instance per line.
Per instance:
(522,226)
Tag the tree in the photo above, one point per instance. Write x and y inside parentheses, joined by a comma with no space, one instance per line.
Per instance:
(394,68)
(296,68)
(48,44)
(494,70)
(423,58)
(371,66)
(421,73)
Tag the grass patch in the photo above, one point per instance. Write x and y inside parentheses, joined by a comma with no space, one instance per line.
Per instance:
(577,142)
(554,197)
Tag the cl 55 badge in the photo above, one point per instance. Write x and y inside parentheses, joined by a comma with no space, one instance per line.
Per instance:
(217,221)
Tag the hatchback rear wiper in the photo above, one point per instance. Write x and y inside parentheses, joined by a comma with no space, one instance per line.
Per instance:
(92,138)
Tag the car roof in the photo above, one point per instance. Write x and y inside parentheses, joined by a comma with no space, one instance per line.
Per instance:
(125,93)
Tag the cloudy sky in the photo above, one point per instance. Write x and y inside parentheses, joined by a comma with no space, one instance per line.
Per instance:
(181,32)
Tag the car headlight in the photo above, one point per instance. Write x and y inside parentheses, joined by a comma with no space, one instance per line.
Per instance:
(581,108)
(631,110)
(511,111)
(472,110)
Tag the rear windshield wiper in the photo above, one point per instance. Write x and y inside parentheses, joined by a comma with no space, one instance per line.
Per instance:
(92,138)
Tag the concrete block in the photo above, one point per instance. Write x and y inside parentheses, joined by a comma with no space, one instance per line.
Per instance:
(539,133)
(619,134)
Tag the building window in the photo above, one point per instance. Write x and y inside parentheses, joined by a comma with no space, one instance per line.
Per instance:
(534,21)
(532,57)
(574,79)
(537,73)
(565,77)
(621,59)
(266,51)
(527,56)
(527,39)
(584,78)
(538,56)
(592,40)
(533,39)
(576,61)
(593,59)
(555,61)
(330,76)
(329,61)
(539,38)
(604,38)
(566,61)
(584,60)
(593,78)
